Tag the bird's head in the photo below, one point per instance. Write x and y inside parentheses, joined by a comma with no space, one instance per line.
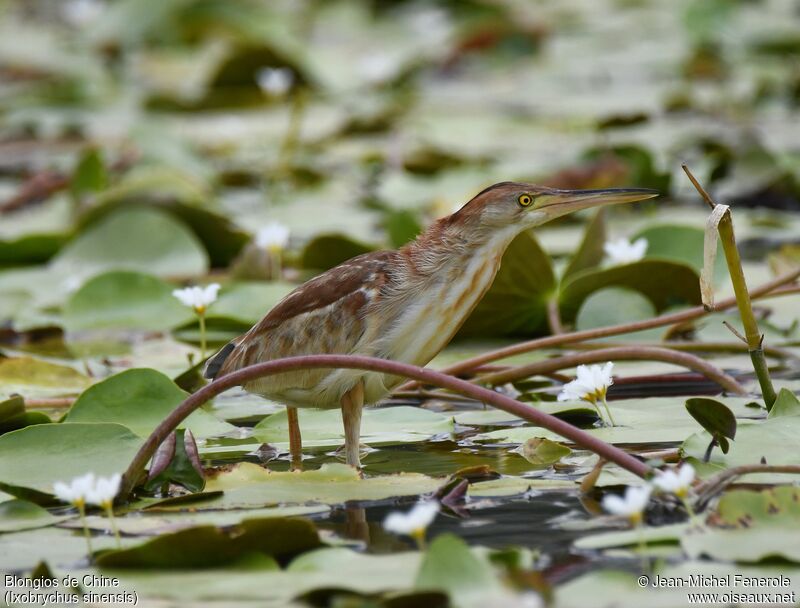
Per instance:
(519,206)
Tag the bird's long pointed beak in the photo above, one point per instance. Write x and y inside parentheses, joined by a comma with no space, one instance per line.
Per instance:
(561,202)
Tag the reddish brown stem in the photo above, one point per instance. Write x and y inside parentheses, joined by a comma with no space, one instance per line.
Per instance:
(614,330)
(619,353)
(192,402)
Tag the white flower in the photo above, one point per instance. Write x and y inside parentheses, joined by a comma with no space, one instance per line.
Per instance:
(82,12)
(104,491)
(591,383)
(622,251)
(676,482)
(198,298)
(273,237)
(415,521)
(275,81)
(75,492)
(636,499)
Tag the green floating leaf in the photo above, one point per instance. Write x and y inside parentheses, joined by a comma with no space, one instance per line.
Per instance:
(541,451)
(328,250)
(30,249)
(249,486)
(140,399)
(683,244)
(590,251)
(183,467)
(247,303)
(36,378)
(33,458)
(209,546)
(13,415)
(379,426)
(664,283)
(613,306)
(125,300)
(773,441)
(750,527)
(16,515)
(786,404)
(449,565)
(137,238)
(714,417)
(89,176)
(516,303)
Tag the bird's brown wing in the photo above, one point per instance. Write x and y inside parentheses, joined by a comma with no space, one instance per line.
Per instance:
(325,315)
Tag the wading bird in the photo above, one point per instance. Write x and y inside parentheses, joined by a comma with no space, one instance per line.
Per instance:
(403,305)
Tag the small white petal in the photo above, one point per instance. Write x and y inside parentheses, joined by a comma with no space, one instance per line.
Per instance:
(197,297)
(634,502)
(418,518)
(275,81)
(623,251)
(105,490)
(273,236)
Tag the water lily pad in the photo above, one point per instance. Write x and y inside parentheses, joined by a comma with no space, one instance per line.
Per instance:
(664,283)
(639,421)
(140,399)
(210,546)
(613,306)
(125,300)
(35,457)
(138,238)
(18,515)
(249,486)
(37,378)
(750,526)
(327,250)
(379,426)
(773,441)
(247,303)
(590,251)
(515,304)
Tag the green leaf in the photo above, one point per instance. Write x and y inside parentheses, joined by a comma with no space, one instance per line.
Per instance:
(613,306)
(516,303)
(16,515)
(35,457)
(541,451)
(379,426)
(182,468)
(590,251)
(328,250)
(37,378)
(248,486)
(401,225)
(247,303)
(786,404)
(682,244)
(209,546)
(714,417)
(136,238)
(773,441)
(13,415)
(449,565)
(89,176)
(140,399)
(664,283)
(750,527)
(125,300)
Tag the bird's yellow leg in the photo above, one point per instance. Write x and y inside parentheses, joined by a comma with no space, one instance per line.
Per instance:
(295,440)
(352,403)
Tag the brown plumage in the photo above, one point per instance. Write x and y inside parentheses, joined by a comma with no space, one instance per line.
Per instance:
(403,305)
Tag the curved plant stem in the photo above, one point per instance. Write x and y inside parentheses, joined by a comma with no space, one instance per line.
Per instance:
(614,330)
(618,353)
(716,484)
(192,402)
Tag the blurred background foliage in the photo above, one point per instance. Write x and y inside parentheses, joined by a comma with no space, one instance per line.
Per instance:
(155,138)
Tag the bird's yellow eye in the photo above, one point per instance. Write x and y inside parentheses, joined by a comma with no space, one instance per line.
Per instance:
(525,199)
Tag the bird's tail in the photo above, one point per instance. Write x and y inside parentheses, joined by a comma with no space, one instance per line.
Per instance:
(216,362)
